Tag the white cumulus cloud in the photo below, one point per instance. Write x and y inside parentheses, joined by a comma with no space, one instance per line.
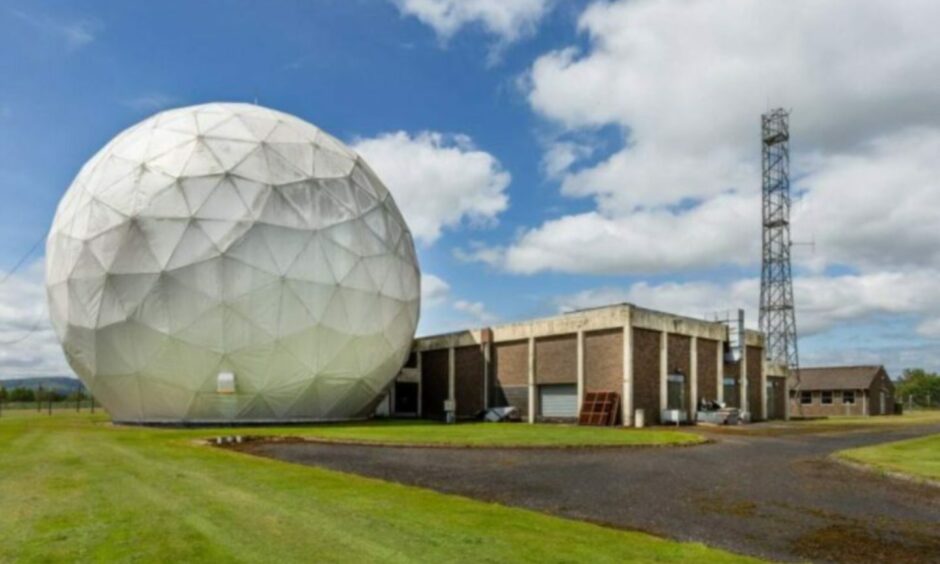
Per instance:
(508,20)
(438,181)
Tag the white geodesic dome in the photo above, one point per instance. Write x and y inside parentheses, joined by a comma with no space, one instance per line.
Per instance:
(228,262)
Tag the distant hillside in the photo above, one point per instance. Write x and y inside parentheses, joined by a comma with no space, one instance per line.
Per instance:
(57,383)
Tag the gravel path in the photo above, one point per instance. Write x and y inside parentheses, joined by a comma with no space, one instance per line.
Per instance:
(776,497)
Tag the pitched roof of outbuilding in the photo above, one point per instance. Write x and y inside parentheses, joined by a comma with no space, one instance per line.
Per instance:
(837,377)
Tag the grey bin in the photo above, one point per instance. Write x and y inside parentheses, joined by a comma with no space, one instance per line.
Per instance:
(639,419)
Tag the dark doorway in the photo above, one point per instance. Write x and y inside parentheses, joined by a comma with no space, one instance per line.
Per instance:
(406,398)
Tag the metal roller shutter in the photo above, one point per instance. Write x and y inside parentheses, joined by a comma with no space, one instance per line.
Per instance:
(558,400)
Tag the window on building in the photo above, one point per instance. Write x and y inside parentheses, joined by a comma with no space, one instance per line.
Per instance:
(675,391)
(729,391)
(848,396)
(806,398)
(826,397)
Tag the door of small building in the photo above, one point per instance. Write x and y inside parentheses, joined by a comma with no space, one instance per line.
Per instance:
(406,398)
(558,401)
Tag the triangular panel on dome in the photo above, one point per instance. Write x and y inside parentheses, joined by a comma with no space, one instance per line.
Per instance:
(132,289)
(121,394)
(163,401)
(312,264)
(285,244)
(231,128)
(79,346)
(183,365)
(300,196)
(314,296)
(202,161)
(162,236)
(182,122)
(197,190)
(101,219)
(260,307)
(134,255)
(298,154)
(223,202)
(327,164)
(253,251)
(254,194)
(328,211)
(195,246)
(206,331)
(172,162)
(279,211)
(208,118)
(85,300)
(229,152)
(281,398)
(163,141)
(250,364)
(281,170)
(256,409)
(223,233)
(240,333)
(167,203)
(294,317)
(365,178)
(341,259)
(240,278)
(260,126)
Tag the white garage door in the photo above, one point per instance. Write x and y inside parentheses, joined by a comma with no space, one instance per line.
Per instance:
(558,400)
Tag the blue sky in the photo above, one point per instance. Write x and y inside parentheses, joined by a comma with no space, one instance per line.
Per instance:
(586,152)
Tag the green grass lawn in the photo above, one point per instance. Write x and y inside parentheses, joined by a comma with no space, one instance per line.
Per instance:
(918,457)
(478,434)
(919,417)
(73,487)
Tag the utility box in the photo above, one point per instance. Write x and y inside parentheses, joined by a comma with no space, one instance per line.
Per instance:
(225,384)
(450,411)
(639,418)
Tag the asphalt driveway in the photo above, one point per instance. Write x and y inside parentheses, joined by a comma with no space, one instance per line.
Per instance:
(776,497)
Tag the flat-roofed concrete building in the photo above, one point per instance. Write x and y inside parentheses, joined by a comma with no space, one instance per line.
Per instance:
(654,360)
(842,390)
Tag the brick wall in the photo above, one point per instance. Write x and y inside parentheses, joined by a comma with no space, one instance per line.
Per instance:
(434,383)
(881,383)
(468,380)
(776,409)
(733,371)
(646,373)
(510,375)
(678,361)
(755,365)
(707,369)
(556,360)
(603,361)
(837,407)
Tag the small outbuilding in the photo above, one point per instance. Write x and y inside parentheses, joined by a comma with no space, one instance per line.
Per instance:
(841,390)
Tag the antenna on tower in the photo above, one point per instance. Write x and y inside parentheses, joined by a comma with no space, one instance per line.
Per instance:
(777,315)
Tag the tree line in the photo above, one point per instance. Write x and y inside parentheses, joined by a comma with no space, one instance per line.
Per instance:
(918,388)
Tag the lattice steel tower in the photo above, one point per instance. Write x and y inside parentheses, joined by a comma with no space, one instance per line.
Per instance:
(777,316)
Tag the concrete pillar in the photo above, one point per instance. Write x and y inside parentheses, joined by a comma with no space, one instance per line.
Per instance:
(720,372)
(451,373)
(693,377)
(663,369)
(531,379)
(743,377)
(420,380)
(763,390)
(580,367)
(486,374)
(627,399)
